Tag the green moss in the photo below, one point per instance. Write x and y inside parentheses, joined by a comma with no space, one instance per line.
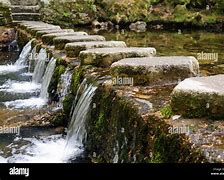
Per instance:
(59,120)
(166,111)
(198,105)
(59,70)
(170,148)
(67,104)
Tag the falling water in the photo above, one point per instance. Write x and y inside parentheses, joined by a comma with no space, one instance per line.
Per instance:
(76,131)
(40,66)
(20,63)
(36,102)
(47,78)
(64,88)
(57,148)
(32,59)
(23,57)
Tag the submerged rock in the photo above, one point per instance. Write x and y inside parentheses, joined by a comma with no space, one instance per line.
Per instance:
(200,97)
(104,57)
(151,70)
(73,49)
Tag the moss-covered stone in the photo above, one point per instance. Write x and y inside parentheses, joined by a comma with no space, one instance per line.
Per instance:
(117,133)
(116,119)
(199,97)
(5,14)
(59,70)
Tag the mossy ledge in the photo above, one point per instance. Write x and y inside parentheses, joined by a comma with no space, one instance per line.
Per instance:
(129,136)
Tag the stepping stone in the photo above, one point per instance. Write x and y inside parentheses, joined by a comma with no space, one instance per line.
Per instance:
(33,31)
(156,70)
(48,38)
(42,32)
(73,49)
(199,97)
(60,42)
(104,57)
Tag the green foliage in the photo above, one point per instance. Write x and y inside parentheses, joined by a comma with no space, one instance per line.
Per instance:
(166,112)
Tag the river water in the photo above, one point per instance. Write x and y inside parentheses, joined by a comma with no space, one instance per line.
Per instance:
(53,148)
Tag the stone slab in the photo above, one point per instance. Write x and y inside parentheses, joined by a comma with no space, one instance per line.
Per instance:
(60,42)
(48,38)
(156,70)
(73,49)
(43,32)
(200,97)
(104,57)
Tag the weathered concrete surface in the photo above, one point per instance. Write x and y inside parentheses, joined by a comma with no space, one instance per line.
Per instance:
(104,57)
(60,42)
(200,97)
(42,32)
(27,9)
(48,38)
(34,30)
(151,70)
(73,49)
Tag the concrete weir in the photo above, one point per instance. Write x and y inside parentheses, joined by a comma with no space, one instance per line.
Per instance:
(61,41)
(73,49)
(135,84)
(200,97)
(151,70)
(104,57)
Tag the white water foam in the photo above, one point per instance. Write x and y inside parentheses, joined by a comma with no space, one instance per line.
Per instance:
(43,150)
(33,102)
(20,87)
(10,68)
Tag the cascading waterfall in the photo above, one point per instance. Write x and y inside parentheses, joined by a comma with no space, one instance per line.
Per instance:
(47,78)
(64,88)
(36,102)
(76,130)
(39,69)
(23,57)
(20,63)
(57,148)
(32,59)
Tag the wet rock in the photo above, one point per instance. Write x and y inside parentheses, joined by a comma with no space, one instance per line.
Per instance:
(102,25)
(156,70)
(59,130)
(104,57)
(200,97)
(48,38)
(73,49)
(139,26)
(7,35)
(60,42)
